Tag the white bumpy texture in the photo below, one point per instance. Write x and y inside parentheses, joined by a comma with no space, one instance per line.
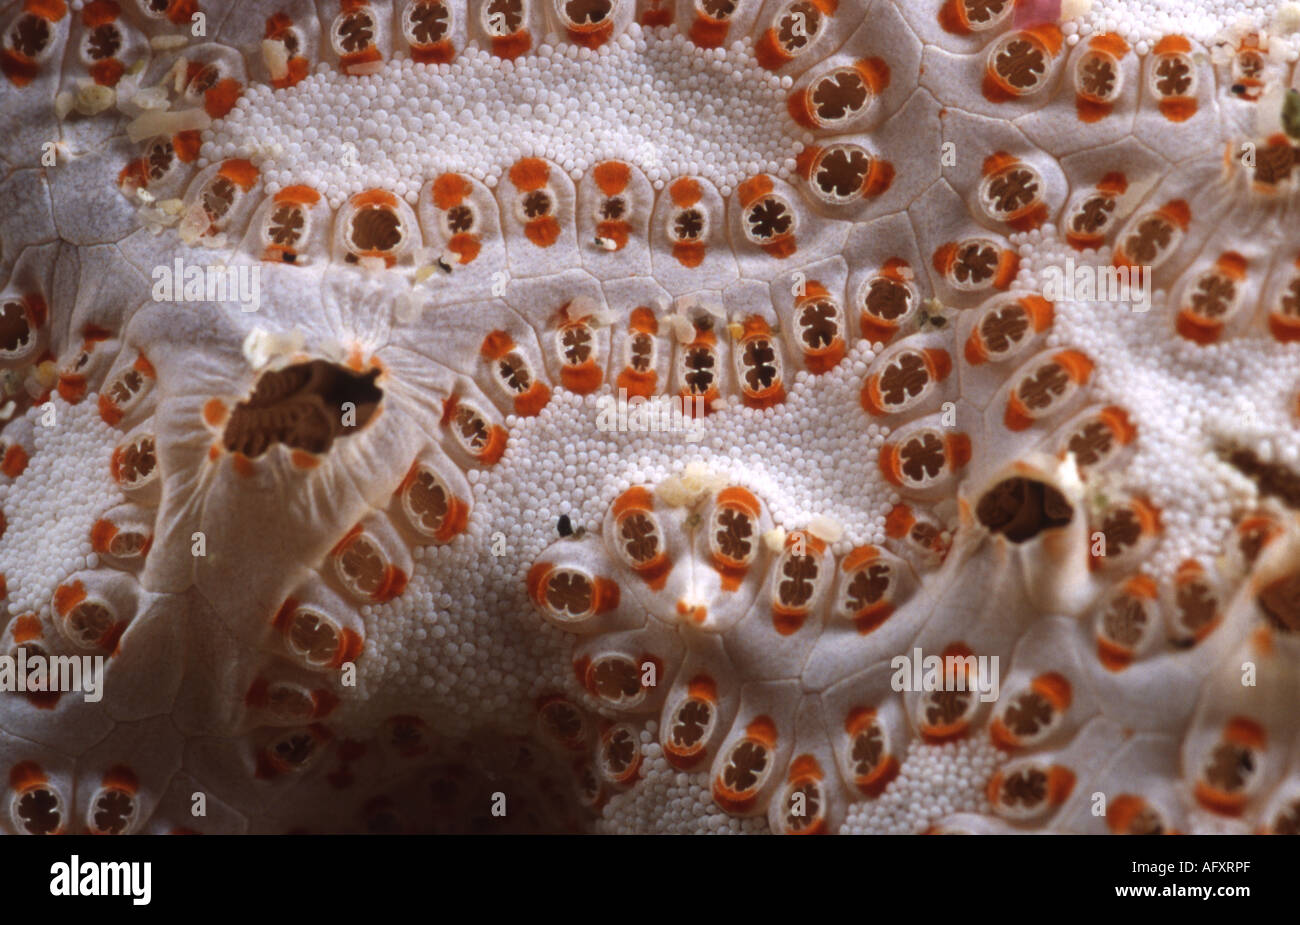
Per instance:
(596,415)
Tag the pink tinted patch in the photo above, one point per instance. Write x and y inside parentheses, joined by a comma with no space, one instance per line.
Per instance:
(1032,12)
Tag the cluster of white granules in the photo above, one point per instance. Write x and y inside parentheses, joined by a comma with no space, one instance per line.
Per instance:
(1186,400)
(650,97)
(670,802)
(934,781)
(50,508)
(465,630)
(1143,22)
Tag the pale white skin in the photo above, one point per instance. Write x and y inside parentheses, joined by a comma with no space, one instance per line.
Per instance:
(460,672)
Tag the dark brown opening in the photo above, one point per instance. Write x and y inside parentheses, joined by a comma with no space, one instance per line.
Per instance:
(733,535)
(819,323)
(842,171)
(89,622)
(537,204)
(641,352)
(620,750)
(38,809)
(976,263)
(794,38)
(888,299)
(699,369)
(759,360)
(720,10)
(287,222)
(1021,63)
(15,333)
(769,218)
(983,11)
(218,197)
(376,228)
(429,22)
(356,31)
(688,225)
(104,42)
(1174,75)
(1013,189)
(113,810)
(1004,327)
(868,749)
(747,763)
(1093,214)
(429,500)
(511,13)
(1273,480)
(576,344)
(1280,602)
(1021,508)
(1097,76)
(613,208)
(691,722)
(301,406)
(313,636)
(30,35)
(586,12)
(839,94)
(161,156)
(460,218)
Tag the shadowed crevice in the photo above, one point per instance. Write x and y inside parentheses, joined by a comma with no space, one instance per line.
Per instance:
(305,407)
(1021,508)
(1273,480)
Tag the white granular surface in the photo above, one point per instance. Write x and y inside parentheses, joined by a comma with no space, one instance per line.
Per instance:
(649,97)
(51,506)
(1201,20)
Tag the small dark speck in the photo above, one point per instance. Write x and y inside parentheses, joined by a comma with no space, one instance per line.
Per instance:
(565,526)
